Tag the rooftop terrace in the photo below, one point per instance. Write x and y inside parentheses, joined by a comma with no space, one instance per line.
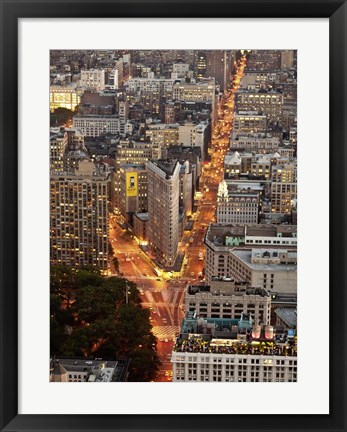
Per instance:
(197,344)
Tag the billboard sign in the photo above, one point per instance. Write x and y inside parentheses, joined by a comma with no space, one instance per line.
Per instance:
(131,184)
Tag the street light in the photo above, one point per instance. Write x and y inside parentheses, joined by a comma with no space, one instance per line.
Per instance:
(126,293)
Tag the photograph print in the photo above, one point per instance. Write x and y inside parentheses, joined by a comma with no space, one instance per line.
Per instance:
(173,215)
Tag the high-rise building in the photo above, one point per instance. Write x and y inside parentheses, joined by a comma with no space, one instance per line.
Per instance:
(283,188)
(226,299)
(113,80)
(251,142)
(236,206)
(264,60)
(123,112)
(132,152)
(272,269)
(181,69)
(164,135)
(219,65)
(220,238)
(233,350)
(93,79)
(79,218)
(119,67)
(269,103)
(154,85)
(58,147)
(190,134)
(201,65)
(133,183)
(64,96)
(249,122)
(287,59)
(195,92)
(97,125)
(163,209)
(186,189)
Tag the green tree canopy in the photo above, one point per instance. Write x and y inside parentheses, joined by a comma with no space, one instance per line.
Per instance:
(60,116)
(95,320)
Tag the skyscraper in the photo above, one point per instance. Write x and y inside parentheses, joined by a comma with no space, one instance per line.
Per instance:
(163,209)
(57,146)
(201,65)
(218,65)
(79,219)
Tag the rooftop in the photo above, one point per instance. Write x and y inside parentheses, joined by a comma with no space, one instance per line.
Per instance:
(142,216)
(136,167)
(184,152)
(218,233)
(288,315)
(97,370)
(166,165)
(232,159)
(227,287)
(249,114)
(241,337)
(267,259)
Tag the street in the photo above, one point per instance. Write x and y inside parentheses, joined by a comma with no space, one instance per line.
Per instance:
(164,295)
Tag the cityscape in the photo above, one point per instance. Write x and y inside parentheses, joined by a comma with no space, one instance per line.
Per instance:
(173,215)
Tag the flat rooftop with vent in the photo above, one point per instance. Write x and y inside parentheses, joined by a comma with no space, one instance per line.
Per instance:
(86,370)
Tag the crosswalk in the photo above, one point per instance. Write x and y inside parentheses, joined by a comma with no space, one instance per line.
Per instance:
(165,332)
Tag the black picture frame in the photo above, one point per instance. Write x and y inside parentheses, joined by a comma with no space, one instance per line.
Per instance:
(11,11)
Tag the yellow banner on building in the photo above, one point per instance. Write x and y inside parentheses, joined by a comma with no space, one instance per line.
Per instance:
(131,184)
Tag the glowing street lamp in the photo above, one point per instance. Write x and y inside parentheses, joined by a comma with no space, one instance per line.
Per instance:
(127,292)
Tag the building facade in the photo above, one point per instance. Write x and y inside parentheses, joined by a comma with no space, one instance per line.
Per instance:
(195,92)
(283,188)
(236,207)
(163,209)
(97,125)
(216,367)
(58,146)
(67,96)
(220,238)
(133,183)
(225,298)
(231,350)
(79,219)
(249,122)
(163,135)
(255,142)
(195,135)
(268,103)
(272,269)
(93,79)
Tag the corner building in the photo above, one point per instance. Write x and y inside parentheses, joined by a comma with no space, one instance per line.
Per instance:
(163,209)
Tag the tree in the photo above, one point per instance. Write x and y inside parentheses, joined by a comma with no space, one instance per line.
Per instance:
(110,249)
(116,264)
(101,322)
(61,116)
(87,277)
